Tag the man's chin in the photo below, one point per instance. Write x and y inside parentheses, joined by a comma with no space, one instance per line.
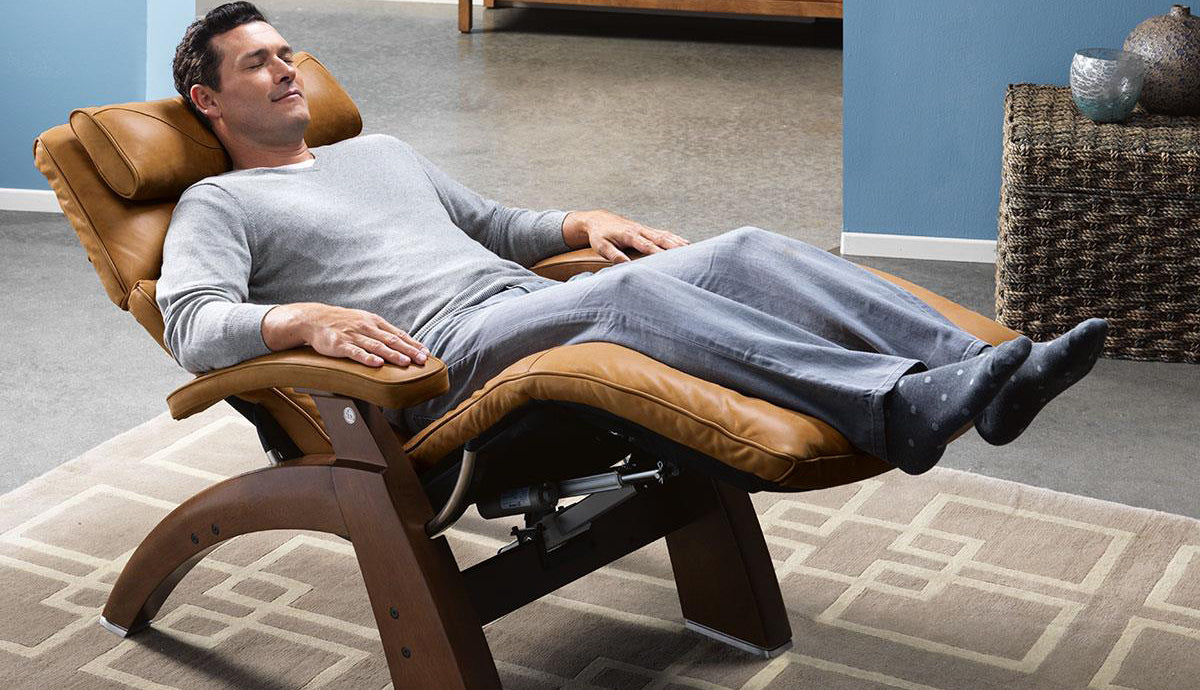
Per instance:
(282,132)
(297,122)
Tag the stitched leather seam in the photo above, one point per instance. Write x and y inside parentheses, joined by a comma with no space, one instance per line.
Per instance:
(137,177)
(573,263)
(676,408)
(103,249)
(137,287)
(303,413)
(795,468)
(152,117)
(444,420)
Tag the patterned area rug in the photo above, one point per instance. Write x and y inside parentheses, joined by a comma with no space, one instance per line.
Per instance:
(945,581)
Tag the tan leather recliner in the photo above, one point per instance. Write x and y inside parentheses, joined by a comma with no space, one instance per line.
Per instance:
(657,452)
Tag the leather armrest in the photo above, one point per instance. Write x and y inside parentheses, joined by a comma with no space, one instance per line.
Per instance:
(563,266)
(389,386)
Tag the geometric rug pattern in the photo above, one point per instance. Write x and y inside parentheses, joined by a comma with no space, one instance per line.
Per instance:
(943,581)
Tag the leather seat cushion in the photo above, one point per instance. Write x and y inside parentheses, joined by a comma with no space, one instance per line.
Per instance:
(780,445)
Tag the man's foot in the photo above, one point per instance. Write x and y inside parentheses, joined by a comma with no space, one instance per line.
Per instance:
(926,408)
(1051,368)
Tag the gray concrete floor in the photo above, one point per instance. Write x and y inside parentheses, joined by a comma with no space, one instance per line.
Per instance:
(699,125)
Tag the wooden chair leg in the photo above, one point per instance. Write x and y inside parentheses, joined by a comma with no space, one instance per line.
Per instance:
(430,631)
(726,581)
(285,497)
(464,16)
(431,634)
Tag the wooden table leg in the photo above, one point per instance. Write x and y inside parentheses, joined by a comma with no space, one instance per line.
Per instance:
(464,16)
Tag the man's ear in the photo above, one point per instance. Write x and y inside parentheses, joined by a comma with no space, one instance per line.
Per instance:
(202,97)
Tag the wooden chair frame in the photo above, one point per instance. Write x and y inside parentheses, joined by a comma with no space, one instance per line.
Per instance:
(429,613)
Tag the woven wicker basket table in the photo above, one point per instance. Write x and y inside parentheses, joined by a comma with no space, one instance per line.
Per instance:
(1100,220)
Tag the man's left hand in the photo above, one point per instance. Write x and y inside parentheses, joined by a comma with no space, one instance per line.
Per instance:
(608,233)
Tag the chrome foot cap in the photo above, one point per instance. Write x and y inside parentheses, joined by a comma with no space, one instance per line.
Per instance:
(737,643)
(118,630)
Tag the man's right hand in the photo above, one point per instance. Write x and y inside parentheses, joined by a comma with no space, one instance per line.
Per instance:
(340,332)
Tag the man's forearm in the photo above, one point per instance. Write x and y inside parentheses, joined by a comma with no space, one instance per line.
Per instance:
(282,327)
(574,230)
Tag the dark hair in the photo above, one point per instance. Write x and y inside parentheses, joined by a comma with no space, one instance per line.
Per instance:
(197,61)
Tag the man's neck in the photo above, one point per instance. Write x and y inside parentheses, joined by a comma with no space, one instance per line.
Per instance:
(250,155)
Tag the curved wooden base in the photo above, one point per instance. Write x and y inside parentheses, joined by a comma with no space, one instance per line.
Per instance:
(283,497)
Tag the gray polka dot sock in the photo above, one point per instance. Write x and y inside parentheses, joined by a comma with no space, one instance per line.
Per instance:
(926,408)
(1051,368)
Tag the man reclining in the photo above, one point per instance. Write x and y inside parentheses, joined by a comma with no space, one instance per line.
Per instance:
(333,246)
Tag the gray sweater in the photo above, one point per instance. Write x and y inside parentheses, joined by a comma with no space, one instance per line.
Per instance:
(371,224)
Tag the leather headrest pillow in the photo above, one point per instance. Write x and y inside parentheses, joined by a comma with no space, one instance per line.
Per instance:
(154,150)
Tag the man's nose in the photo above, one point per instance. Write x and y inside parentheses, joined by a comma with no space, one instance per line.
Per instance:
(286,70)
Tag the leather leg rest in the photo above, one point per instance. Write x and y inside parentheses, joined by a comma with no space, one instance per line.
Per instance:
(783,448)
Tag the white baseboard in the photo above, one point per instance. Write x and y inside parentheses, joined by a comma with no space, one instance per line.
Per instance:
(28,200)
(918,247)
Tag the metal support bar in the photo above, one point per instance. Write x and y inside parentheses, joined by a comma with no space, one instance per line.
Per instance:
(610,481)
(456,505)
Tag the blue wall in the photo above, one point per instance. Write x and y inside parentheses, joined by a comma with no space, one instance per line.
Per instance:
(166,20)
(923,88)
(58,55)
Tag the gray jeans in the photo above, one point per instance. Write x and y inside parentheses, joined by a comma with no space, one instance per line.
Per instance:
(760,313)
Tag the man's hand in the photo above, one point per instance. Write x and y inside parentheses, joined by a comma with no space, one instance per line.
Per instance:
(339,332)
(607,233)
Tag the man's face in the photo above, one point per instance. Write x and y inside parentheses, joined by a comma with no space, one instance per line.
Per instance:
(262,95)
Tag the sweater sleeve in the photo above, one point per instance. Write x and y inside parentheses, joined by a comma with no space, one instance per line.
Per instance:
(516,234)
(203,288)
